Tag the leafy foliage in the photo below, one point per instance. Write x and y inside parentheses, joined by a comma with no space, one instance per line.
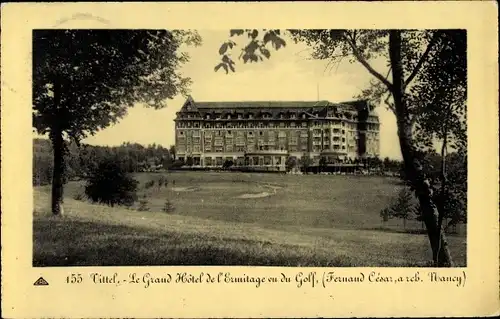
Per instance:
(385,214)
(84,80)
(227,164)
(305,162)
(109,184)
(80,161)
(403,206)
(149,184)
(168,207)
(255,50)
(143,204)
(291,163)
(436,60)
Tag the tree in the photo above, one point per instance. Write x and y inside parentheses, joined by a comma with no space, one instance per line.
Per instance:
(385,214)
(172,152)
(168,207)
(305,162)
(403,206)
(406,59)
(291,163)
(322,163)
(84,80)
(111,185)
(227,164)
(143,204)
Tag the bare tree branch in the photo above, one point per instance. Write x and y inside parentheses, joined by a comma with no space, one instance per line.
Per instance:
(420,62)
(362,60)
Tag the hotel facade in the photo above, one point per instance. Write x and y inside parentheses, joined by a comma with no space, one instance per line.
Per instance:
(264,135)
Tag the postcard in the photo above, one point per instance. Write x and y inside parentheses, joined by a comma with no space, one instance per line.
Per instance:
(220,160)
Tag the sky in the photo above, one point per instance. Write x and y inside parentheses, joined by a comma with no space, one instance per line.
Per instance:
(290,74)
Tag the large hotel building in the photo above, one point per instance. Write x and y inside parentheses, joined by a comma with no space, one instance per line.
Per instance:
(264,134)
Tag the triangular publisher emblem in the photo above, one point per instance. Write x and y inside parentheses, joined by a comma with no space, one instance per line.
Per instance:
(41,282)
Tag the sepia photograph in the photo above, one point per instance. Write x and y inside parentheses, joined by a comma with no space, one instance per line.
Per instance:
(250,147)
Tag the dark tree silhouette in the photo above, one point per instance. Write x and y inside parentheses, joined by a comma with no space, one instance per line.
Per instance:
(406,60)
(84,80)
(109,184)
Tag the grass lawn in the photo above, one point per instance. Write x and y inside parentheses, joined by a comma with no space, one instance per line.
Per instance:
(308,220)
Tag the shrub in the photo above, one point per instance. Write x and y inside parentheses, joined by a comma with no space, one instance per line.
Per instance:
(168,207)
(227,164)
(143,204)
(149,184)
(110,184)
(161,181)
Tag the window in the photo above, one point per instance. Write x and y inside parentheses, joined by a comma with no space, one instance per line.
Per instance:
(260,133)
(181,133)
(250,133)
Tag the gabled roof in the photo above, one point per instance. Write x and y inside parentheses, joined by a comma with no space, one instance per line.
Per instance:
(189,105)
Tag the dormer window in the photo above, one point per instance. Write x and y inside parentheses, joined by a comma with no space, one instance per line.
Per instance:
(292,116)
(208,116)
(250,116)
(229,116)
(303,116)
(239,116)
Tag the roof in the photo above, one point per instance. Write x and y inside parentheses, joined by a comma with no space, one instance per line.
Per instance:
(261,104)
(191,105)
(274,107)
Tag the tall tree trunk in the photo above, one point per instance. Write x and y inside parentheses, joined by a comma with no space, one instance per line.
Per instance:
(443,190)
(413,169)
(58,171)
(58,147)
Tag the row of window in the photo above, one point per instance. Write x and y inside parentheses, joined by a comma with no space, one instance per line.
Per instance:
(252,148)
(287,115)
(252,124)
(250,133)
